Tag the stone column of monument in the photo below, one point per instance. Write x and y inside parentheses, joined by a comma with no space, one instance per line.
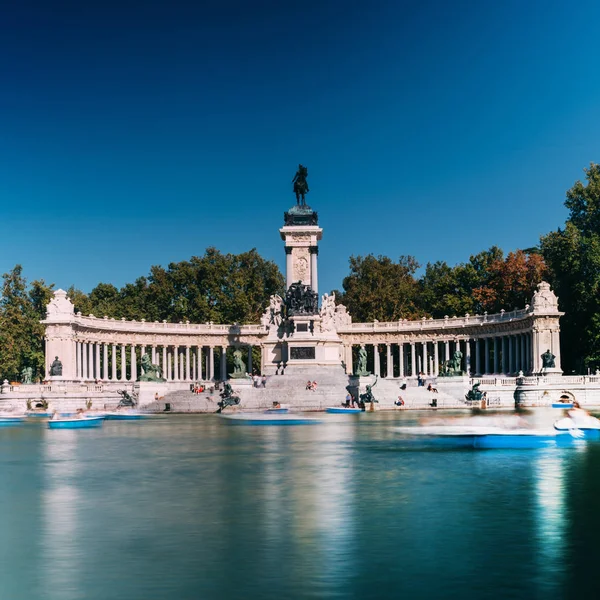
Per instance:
(133,364)
(187,363)
(477,358)
(436,359)
(114,362)
(486,351)
(468,356)
(123,363)
(223,363)
(401,359)
(211,363)
(199,360)
(413,360)
(105,361)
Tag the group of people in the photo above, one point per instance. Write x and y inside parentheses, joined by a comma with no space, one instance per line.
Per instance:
(311,385)
(196,388)
(259,381)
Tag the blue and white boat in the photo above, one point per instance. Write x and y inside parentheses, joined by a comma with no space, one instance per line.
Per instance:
(343,410)
(562,405)
(269,419)
(280,411)
(38,414)
(77,423)
(8,419)
(486,438)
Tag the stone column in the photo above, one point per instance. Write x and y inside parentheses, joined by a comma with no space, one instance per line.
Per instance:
(349,360)
(142,350)
(477,358)
(401,359)
(168,367)
(314,280)
(153,354)
(123,363)
(105,362)
(517,353)
(77,359)
(447,350)
(249,365)
(86,363)
(223,363)
(468,357)
(388,357)
(528,352)
(163,366)
(376,364)
(199,359)
(289,267)
(424,357)
(90,359)
(504,355)
(510,355)
(211,363)
(436,358)
(133,363)
(113,362)
(187,363)
(413,360)
(486,350)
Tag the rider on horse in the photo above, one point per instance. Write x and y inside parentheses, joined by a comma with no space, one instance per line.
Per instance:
(300,185)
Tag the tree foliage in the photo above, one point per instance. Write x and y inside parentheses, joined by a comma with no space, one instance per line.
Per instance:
(223,288)
(21,333)
(573,258)
(379,288)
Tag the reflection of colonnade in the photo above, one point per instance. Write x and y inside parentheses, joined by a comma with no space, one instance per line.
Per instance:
(501,354)
(104,361)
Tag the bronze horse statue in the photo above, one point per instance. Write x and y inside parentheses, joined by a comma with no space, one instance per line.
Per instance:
(300,185)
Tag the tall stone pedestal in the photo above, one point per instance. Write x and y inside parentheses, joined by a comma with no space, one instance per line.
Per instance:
(147,391)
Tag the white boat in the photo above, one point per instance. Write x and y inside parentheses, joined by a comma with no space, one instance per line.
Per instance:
(269,419)
(588,426)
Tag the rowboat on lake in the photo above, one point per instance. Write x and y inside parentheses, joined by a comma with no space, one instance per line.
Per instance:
(269,419)
(125,415)
(7,419)
(339,410)
(77,423)
(38,414)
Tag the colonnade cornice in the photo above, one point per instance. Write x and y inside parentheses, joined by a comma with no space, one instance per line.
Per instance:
(92,324)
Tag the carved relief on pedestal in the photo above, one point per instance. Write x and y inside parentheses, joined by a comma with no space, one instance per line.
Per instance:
(301,265)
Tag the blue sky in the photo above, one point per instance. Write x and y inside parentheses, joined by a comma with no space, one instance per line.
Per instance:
(134,134)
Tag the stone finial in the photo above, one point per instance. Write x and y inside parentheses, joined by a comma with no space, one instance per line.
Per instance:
(60,306)
(544,299)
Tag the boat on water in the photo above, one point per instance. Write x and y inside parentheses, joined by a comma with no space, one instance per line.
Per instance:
(122,415)
(38,414)
(269,419)
(488,437)
(343,410)
(280,411)
(562,405)
(77,423)
(10,419)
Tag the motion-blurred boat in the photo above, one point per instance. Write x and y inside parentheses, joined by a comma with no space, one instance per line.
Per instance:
(269,419)
(488,437)
(338,410)
(586,424)
(125,415)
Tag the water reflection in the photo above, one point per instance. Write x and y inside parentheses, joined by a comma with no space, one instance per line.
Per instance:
(60,498)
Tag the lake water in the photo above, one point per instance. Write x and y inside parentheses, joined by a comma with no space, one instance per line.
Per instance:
(190,507)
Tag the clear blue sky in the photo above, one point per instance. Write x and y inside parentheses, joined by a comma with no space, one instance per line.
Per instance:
(139,133)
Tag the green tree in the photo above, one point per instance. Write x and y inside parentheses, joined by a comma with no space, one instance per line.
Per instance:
(572,255)
(379,288)
(21,333)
